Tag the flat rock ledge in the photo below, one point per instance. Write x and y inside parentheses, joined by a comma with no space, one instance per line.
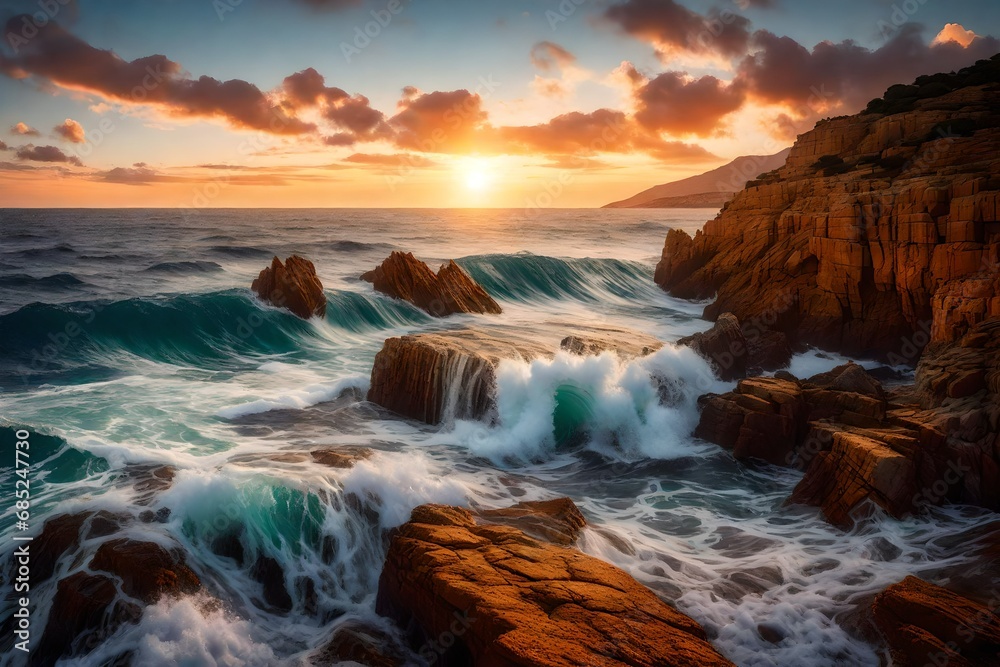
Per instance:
(472,593)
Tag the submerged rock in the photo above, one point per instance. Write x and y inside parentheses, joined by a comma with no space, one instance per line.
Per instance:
(926,624)
(490,595)
(293,285)
(449,291)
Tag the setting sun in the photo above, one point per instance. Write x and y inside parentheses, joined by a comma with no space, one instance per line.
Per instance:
(477,175)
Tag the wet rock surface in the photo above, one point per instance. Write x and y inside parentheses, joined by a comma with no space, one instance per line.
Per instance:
(449,291)
(470,593)
(293,285)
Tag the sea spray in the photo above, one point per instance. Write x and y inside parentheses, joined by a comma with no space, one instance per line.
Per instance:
(643,407)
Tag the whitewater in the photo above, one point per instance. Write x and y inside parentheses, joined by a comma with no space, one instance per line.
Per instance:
(129,339)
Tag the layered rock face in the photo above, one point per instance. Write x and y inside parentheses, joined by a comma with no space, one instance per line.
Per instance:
(925,624)
(449,291)
(934,442)
(486,594)
(878,230)
(293,286)
(735,351)
(438,377)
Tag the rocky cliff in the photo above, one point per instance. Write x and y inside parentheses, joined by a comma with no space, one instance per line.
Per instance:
(879,233)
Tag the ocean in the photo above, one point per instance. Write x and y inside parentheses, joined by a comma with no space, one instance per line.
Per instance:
(130,339)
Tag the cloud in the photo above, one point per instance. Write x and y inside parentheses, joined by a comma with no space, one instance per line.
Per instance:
(845,74)
(550,87)
(549,56)
(439,122)
(308,88)
(674,29)
(356,117)
(601,131)
(676,103)
(4,146)
(24,130)
(142,174)
(71,131)
(756,4)
(395,160)
(954,32)
(62,58)
(45,154)
(575,162)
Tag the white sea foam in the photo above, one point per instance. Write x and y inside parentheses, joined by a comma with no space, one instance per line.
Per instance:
(638,408)
(296,399)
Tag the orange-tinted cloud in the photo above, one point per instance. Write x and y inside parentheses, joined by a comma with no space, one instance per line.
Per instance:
(955,32)
(394,160)
(45,154)
(4,146)
(549,56)
(71,131)
(673,102)
(440,122)
(66,60)
(24,130)
(602,131)
(674,29)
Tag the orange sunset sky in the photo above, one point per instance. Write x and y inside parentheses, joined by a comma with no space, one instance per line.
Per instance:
(393,103)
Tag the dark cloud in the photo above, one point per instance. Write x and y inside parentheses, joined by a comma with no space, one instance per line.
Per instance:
(141,174)
(549,56)
(308,88)
(64,59)
(673,28)
(674,103)
(356,117)
(71,131)
(45,154)
(4,146)
(845,74)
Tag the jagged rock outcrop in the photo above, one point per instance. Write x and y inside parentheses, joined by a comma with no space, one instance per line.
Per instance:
(927,444)
(449,291)
(293,285)
(770,418)
(872,216)
(437,377)
(925,624)
(735,351)
(480,594)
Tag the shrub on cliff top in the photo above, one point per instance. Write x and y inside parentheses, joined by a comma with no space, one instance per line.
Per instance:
(901,98)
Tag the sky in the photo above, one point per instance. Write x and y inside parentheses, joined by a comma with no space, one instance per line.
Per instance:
(430,103)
